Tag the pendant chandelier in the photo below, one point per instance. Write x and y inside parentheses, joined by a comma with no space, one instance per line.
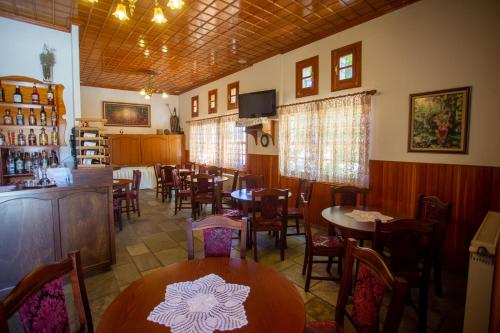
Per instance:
(149,90)
(158,17)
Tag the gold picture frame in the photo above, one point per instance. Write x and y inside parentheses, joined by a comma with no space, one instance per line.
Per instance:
(126,114)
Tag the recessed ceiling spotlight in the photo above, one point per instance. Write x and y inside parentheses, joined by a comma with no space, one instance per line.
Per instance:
(142,43)
(242,61)
(164,49)
(146,52)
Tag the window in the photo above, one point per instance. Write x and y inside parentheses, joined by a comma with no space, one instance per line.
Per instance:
(194,106)
(233,91)
(346,67)
(326,140)
(218,142)
(212,101)
(306,77)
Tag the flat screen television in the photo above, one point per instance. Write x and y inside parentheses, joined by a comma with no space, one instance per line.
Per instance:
(257,104)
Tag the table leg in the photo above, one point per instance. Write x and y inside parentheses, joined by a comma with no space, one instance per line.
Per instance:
(127,200)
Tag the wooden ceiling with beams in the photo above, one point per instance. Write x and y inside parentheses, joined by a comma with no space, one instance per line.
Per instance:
(205,40)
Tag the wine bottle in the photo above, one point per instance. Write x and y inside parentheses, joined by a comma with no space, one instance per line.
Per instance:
(19,163)
(43,117)
(50,96)
(53,116)
(32,138)
(2,93)
(18,97)
(54,161)
(32,118)
(21,138)
(54,136)
(28,163)
(20,117)
(44,160)
(35,97)
(7,117)
(43,138)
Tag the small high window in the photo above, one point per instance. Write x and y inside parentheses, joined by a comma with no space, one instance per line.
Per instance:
(233,91)
(212,101)
(306,77)
(194,106)
(346,67)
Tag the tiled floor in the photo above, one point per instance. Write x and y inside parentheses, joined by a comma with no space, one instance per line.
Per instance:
(157,239)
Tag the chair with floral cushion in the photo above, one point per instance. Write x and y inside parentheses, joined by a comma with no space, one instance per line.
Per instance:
(432,209)
(217,235)
(295,213)
(181,192)
(412,245)
(319,245)
(39,299)
(373,281)
(201,192)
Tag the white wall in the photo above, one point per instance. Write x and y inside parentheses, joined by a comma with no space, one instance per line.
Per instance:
(429,45)
(22,44)
(93,97)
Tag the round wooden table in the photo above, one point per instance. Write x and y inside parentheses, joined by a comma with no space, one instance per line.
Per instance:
(119,184)
(244,195)
(217,179)
(273,305)
(349,226)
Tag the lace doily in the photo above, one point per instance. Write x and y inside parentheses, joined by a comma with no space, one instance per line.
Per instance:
(202,306)
(368,216)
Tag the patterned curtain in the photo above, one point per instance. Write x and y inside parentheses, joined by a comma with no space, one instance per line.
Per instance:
(326,140)
(233,144)
(204,142)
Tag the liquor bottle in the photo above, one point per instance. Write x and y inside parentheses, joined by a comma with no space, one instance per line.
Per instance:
(50,96)
(2,93)
(53,116)
(19,163)
(21,138)
(7,117)
(35,97)
(43,117)
(32,118)
(32,138)
(11,164)
(43,138)
(12,137)
(18,97)
(2,138)
(20,117)
(44,161)
(28,163)
(54,136)
(54,161)
(35,161)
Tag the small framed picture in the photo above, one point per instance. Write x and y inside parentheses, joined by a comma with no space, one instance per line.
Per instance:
(439,121)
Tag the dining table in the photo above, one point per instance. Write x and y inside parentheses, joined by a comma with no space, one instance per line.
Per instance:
(123,185)
(273,303)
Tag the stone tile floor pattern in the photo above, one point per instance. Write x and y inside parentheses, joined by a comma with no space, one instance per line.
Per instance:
(157,238)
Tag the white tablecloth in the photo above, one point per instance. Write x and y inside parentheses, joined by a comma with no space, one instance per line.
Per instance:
(148,178)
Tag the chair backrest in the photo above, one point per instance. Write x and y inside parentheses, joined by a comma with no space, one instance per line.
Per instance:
(251,182)
(217,235)
(42,288)
(236,173)
(272,203)
(166,173)
(189,165)
(412,245)
(373,281)
(157,167)
(176,179)
(136,181)
(304,204)
(305,188)
(347,195)
(432,209)
(214,171)
(202,168)
(202,183)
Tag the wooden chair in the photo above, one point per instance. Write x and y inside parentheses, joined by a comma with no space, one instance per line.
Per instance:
(133,194)
(226,194)
(319,245)
(202,168)
(296,213)
(214,171)
(201,192)
(181,192)
(117,212)
(271,218)
(412,247)
(233,212)
(251,182)
(373,280)
(217,235)
(45,286)
(157,168)
(347,195)
(167,182)
(432,209)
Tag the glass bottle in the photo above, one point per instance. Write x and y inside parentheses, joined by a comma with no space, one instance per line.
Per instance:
(11,164)
(54,136)
(54,161)
(43,138)
(20,117)
(18,97)
(19,163)
(32,138)
(28,163)
(50,96)
(53,116)
(21,138)
(2,93)
(44,161)
(35,97)
(43,117)
(2,138)
(12,137)
(36,161)
(7,117)
(32,118)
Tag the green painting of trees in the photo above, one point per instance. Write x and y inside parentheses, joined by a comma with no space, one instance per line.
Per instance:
(437,120)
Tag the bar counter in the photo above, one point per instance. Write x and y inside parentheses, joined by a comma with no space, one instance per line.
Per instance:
(39,226)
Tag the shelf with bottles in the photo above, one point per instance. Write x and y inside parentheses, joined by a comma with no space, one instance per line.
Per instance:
(42,138)
(90,144)
(23,164)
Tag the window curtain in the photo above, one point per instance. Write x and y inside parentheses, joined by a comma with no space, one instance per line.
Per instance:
(326,140)
(204,142)
(233,144)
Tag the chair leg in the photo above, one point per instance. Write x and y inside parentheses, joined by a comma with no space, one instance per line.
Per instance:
(255,246)
(178,202)
(283,239)
(422,309)
(138,208)
(304,265)
(297,226)
(438,284)
(329,265)
(309,271)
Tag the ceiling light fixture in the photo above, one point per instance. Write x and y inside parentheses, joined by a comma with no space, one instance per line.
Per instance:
(164,95)
(142,43)
(146,52)
(164,49)
(121,12)
(158,16)
(149,89)
(93,1)
(175,4)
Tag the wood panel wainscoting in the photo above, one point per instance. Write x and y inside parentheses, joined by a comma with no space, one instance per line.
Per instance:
(145,149)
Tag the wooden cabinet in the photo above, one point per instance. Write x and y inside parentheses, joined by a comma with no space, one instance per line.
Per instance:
(145,149)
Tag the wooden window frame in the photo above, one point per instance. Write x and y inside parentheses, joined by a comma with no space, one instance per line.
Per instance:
(303,92)
(212,109)
(193,113)
(231,106)
(355,81)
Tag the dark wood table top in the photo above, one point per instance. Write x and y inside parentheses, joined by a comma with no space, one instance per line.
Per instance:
(121,182)
(245,195)
(217,179)
(273,305)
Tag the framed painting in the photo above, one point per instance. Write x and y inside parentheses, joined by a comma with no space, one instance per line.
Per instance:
(126,114)
(439,121)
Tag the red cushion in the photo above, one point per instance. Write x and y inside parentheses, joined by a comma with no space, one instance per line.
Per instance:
(217,242)
(184,192)
(324,241)
(323,327)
